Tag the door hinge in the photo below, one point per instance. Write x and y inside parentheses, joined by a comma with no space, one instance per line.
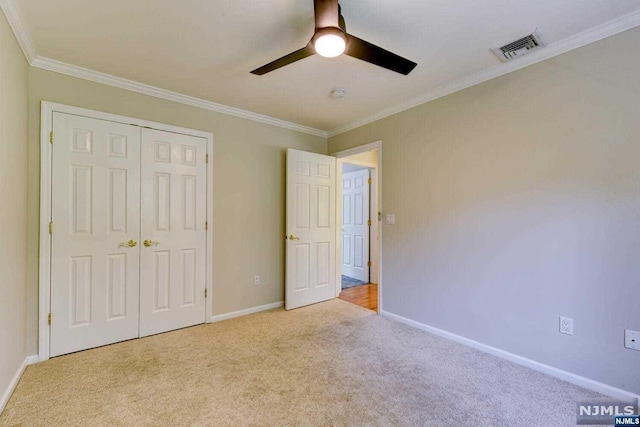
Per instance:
(51,227)
(51,137)
(49,319)
(206,225)
(369,222)
(369,181)
(206,158)
(369,264)
(206,293)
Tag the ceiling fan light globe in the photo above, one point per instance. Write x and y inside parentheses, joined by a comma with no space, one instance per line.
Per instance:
(330,43)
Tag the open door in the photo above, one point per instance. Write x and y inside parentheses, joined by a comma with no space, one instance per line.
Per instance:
(311,228)
(356,224)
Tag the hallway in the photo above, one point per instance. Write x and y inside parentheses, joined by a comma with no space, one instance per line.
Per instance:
(365,296)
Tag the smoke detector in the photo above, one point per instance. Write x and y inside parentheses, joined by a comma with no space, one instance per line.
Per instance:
(520,47)
(338,93)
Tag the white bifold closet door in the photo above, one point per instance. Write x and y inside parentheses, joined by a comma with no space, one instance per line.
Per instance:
(108,197)
(95,212)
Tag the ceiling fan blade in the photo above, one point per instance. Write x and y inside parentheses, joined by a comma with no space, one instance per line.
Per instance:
(366,51)
(327,13)
(306,51)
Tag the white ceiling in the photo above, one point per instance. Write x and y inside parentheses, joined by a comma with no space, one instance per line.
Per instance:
(206,48)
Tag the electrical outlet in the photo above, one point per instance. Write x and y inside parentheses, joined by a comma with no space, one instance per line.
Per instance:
(566,325)
(256,280)
(632,339)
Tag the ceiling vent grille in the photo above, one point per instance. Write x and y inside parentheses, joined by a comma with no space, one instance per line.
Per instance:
(520,47)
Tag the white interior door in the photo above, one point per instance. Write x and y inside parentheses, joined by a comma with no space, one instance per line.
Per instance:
(95,213)
(173,231)
(311,232)
(355,224)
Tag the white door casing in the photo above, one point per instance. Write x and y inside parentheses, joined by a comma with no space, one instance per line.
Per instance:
(173,260)
(375,206)
(311,230)
(355,224)
(95,212)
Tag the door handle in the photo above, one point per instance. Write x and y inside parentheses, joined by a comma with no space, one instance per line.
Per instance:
(148,243)
(292,237)
(129,244)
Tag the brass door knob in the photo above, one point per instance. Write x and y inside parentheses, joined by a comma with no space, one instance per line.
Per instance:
(129,244)
(292,237)
(149,243)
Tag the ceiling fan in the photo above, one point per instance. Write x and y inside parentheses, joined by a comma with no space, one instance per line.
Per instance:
(330,39)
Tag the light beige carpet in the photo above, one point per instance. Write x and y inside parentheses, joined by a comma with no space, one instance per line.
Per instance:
(331,364)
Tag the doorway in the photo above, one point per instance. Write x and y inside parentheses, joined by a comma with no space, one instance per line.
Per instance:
(358,234)
(356,223)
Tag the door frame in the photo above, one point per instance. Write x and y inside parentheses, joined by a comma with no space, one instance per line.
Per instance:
(376,178)
(46,156)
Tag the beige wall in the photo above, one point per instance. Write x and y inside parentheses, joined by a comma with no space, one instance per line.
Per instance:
(518,200)
(249,183)
(13,204)
(370,157)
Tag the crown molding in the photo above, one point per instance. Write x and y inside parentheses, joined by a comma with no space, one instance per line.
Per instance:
(133,86)
(625,22)
(594,34)
(14,17)
(17,23)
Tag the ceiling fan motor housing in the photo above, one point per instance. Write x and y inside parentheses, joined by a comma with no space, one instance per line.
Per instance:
(330,50)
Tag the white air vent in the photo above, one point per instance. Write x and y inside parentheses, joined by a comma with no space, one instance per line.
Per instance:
(522,46)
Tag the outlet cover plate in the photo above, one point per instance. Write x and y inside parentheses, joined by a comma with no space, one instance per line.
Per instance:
(566,325)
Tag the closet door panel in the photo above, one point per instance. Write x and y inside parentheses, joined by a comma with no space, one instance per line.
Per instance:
(172,263)
(95,214)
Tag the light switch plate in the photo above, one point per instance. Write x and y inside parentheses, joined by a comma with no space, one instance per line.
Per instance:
(391,219)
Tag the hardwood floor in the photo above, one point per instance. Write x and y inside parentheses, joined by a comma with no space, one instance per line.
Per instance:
(365,296)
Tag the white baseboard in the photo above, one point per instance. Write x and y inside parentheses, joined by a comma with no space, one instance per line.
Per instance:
(14,381)
(578,380)
(239,313)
